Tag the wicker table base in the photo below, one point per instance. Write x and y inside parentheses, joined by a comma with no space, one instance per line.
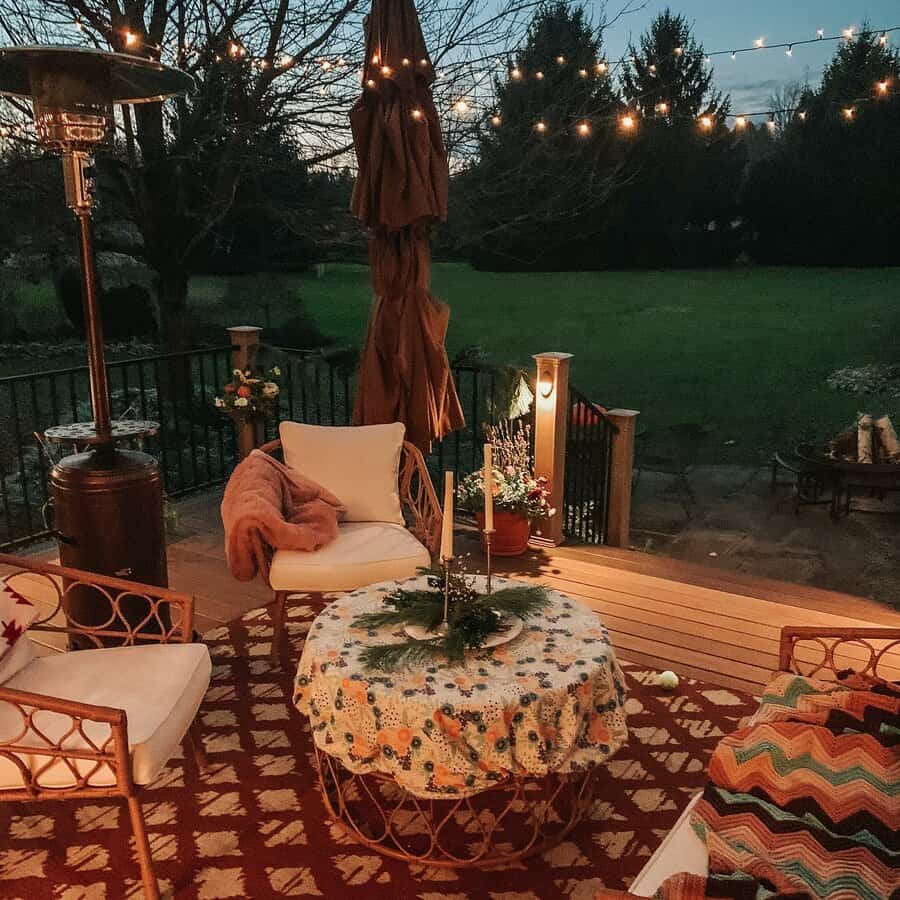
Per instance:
(520,817)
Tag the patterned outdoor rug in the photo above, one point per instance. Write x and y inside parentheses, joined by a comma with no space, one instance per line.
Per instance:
(254,825)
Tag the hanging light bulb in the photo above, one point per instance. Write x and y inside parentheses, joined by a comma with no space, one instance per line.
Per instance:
(706,123)
(848,113)
(882,87)
(404,62)
(627,122)
(740,123)
(584,128)
(540,126)
(790,50)
(130,38)
(582,73)
(771,124)
(386,71)
(802,115)
(662,108)
(820,33)
(883,39)
(370,84)
(602,68)
(417,114)
(496,121)
(515,73)
(461,107)
(848,33)
(560,60)
(539,76)
(679,51)
(759,43)
(652,70)
(375,59)
(734,54)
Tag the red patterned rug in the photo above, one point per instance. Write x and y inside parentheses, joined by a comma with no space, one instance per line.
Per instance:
(254,825)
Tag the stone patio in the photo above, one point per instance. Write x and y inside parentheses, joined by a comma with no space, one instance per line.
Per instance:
(726,516)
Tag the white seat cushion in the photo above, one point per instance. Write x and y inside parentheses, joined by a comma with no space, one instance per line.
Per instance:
(363,553)
(160,687)
(680,851)
(359,464)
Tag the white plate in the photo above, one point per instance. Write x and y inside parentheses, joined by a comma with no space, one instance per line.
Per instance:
(509,629)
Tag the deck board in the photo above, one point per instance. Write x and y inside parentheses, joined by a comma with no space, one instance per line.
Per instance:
(702,622)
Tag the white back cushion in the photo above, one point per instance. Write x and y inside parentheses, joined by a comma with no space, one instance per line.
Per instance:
(360,465)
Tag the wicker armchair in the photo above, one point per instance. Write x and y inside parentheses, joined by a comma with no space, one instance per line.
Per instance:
(57,745)
(421,512)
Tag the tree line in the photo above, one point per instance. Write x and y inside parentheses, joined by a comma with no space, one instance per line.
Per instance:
(559,182)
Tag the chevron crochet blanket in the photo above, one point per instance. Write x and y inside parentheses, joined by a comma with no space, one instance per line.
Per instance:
(804,800)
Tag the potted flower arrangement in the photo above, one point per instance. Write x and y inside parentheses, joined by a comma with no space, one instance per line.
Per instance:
(250,397)
(249,400)
(519,497)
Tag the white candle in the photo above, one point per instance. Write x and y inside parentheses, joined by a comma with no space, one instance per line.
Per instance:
(447,528)
(488,487)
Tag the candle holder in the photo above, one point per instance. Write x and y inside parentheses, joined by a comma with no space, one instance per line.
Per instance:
(488,535)
(444,628)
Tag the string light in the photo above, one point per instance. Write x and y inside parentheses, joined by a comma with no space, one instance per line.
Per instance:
(461,107)
(882,87)
(662,107)
(802,115)
(496,121)
(652,69)
(371,84)
(386,71)
(416,114)
(627,122)
(560,60)
(540,126)
(404,62)
(789,51)
(820,34)
(679,51)
(130,38)
(582,73)
(706,122)
(734,54)
(759,43)
(539,76)
(848,33)
(849,112)
(516,73)
(584,129)
(883,39)
(602,68)
(771,124)
(740,123)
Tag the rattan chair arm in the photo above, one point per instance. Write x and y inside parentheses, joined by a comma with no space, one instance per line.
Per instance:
(108,715)
(878,642)
(150,629)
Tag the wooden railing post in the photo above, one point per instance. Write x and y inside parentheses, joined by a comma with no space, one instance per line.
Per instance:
(244,347)
(551,408)
(618,532)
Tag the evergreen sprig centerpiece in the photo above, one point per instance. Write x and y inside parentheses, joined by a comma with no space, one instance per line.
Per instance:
(473,617)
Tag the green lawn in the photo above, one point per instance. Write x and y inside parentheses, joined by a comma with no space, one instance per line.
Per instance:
(744,352)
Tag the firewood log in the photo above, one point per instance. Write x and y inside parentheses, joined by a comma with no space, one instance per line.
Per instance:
(864,452)
(890,444)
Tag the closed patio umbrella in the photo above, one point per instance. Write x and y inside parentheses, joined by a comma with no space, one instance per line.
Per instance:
(401,189)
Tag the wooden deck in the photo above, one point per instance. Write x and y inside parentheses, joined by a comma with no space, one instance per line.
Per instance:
(702,622)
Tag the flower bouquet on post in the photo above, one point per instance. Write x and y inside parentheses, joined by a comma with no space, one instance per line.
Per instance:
(520,498)
(249,400)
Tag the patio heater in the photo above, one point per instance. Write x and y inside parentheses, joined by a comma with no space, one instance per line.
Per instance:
(107,500)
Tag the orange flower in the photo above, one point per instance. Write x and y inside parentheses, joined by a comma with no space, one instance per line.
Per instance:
(243,391)
(443,778)
(356,690)
(398,739)
(598,733)
(450,726)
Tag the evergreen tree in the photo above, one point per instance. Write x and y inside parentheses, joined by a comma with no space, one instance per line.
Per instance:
(827,196)
(548,157)
(684,166)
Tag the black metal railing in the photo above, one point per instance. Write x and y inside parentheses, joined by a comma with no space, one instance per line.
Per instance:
(588,469)
(318,388)
(195,445)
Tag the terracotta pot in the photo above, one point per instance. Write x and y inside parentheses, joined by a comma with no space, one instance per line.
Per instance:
(511,533)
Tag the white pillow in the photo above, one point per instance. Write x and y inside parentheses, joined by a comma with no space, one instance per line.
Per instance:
(16,614)
(360,465)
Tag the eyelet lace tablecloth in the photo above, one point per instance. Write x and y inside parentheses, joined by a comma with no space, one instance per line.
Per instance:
(551,700)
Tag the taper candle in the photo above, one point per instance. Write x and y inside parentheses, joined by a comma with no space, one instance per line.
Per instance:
(488,487)
(447,527)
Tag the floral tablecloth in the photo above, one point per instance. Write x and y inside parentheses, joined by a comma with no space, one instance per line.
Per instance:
(551,700)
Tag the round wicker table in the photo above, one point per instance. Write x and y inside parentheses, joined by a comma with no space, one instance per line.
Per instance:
(476,764)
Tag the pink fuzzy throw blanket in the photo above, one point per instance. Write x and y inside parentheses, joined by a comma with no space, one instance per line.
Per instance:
(269,507)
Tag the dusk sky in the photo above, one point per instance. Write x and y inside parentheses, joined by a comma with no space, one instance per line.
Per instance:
(725,24)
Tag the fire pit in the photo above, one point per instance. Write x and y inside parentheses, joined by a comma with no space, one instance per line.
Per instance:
(864,461)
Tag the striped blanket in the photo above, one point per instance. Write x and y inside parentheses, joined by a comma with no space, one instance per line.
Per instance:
(804,800)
